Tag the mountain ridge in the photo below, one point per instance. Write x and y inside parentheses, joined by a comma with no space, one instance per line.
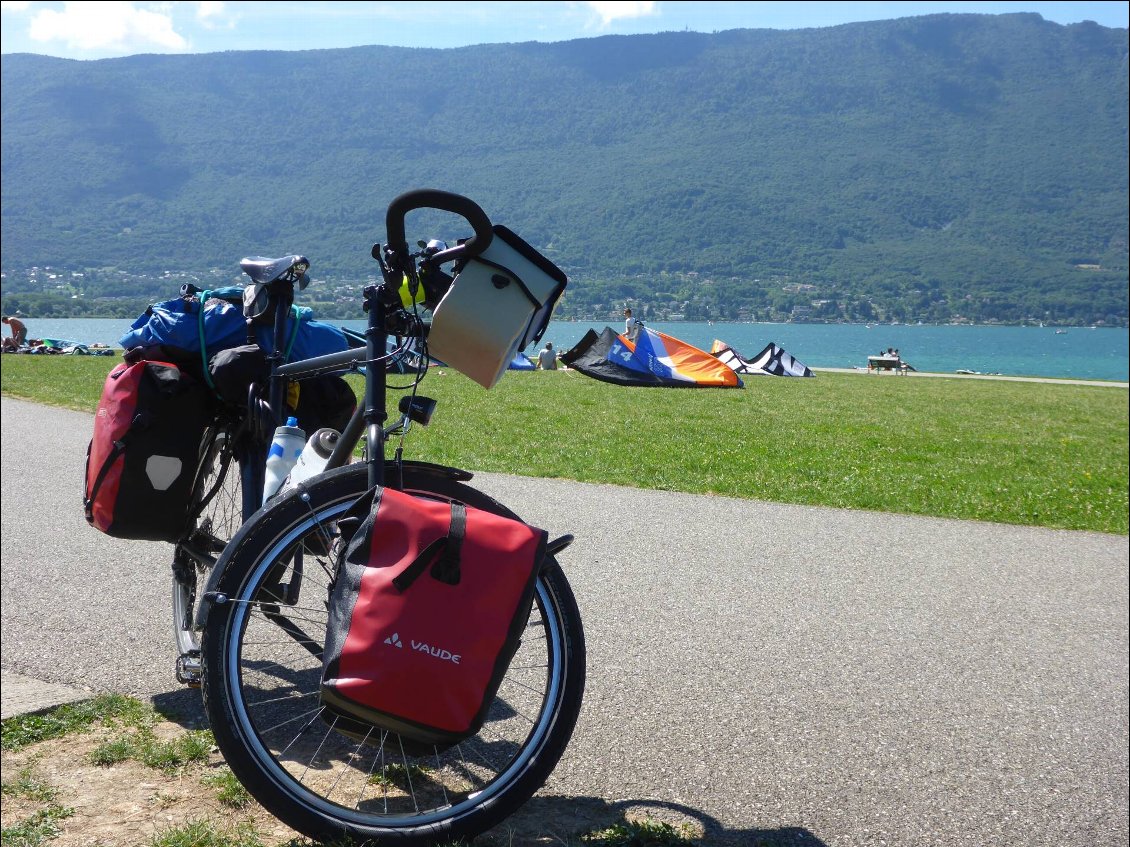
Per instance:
(938,167)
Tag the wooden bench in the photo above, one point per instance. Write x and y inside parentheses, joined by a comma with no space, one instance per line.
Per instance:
(887,363)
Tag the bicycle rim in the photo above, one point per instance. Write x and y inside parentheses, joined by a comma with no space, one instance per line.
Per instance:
(325,778)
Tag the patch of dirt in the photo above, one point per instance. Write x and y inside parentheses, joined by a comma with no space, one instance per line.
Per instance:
(126,804)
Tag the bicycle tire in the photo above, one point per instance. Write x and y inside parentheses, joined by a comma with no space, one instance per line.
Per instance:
(261,691)
(216,515)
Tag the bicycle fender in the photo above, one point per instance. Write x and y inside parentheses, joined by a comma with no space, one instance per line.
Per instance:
(457,474)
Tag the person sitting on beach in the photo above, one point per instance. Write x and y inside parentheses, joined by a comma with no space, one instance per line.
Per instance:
(547,358)
(19,333)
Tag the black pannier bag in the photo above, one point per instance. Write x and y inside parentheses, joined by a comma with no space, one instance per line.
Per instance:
(324,401)
(317,402)
(235,369)
(426,612)
(142,458)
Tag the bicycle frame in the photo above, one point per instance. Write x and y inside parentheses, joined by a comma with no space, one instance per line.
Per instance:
(395,262)
(385,316)
(370,415)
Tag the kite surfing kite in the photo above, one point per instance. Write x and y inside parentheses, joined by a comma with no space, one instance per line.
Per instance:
(658,360)
(772,361)
(654,359)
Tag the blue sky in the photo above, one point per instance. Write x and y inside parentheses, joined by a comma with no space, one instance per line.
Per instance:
(98,30)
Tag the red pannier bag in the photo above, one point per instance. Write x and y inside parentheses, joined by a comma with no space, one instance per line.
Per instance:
(142,458)
(426,611)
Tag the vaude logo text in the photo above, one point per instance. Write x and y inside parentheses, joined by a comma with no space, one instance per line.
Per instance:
(437,652)
(423,647)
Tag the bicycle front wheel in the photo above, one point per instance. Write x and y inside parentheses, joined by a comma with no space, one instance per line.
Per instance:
(262,658)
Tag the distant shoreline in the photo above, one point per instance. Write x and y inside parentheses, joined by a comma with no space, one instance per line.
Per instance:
(1100,383)
(1099,354)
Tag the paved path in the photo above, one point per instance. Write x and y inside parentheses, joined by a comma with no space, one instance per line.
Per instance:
(785,674)
(23,695)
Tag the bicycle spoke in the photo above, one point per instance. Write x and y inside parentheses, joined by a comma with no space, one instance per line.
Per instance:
(269,729)
(287,698)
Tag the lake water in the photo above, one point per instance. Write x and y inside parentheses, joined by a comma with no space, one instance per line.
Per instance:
(1074,353)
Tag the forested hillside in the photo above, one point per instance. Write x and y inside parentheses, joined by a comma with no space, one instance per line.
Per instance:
(933,168)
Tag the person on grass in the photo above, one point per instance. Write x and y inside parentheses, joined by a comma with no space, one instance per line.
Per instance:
(547,357)
(19,333)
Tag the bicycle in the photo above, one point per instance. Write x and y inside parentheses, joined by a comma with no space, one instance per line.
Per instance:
(250,609)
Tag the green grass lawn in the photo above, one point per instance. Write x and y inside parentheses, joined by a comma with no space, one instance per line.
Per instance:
(1035,454)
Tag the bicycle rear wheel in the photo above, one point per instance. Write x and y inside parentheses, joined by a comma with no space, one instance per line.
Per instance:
(217,515)
(262,671)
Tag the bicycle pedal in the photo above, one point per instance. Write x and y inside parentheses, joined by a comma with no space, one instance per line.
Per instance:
(190,670)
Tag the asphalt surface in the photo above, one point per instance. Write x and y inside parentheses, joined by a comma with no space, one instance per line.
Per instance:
(778,674)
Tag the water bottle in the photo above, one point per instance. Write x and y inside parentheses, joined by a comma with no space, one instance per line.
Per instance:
(286,447)
(314,456)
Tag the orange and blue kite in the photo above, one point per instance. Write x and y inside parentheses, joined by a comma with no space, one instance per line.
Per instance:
(654,359)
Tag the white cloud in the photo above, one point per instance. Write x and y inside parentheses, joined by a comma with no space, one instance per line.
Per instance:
(214,15)
(13,6)
(209,9)
(106,26)
(614,11)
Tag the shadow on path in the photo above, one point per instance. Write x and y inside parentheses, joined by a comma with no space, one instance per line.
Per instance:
(553,820)
(564,819)
(183,706)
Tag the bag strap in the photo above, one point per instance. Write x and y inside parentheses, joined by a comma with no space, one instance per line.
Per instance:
(297,315)
(204,295)
(537,304)
(447,547)
(446,568)
(140,422)
(88,501)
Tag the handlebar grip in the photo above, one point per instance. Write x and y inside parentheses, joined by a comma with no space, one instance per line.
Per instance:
(433,198)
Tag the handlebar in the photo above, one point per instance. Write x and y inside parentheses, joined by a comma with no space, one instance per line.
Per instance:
(433,198)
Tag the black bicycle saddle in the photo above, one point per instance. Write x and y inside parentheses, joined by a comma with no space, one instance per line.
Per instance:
(265,271)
